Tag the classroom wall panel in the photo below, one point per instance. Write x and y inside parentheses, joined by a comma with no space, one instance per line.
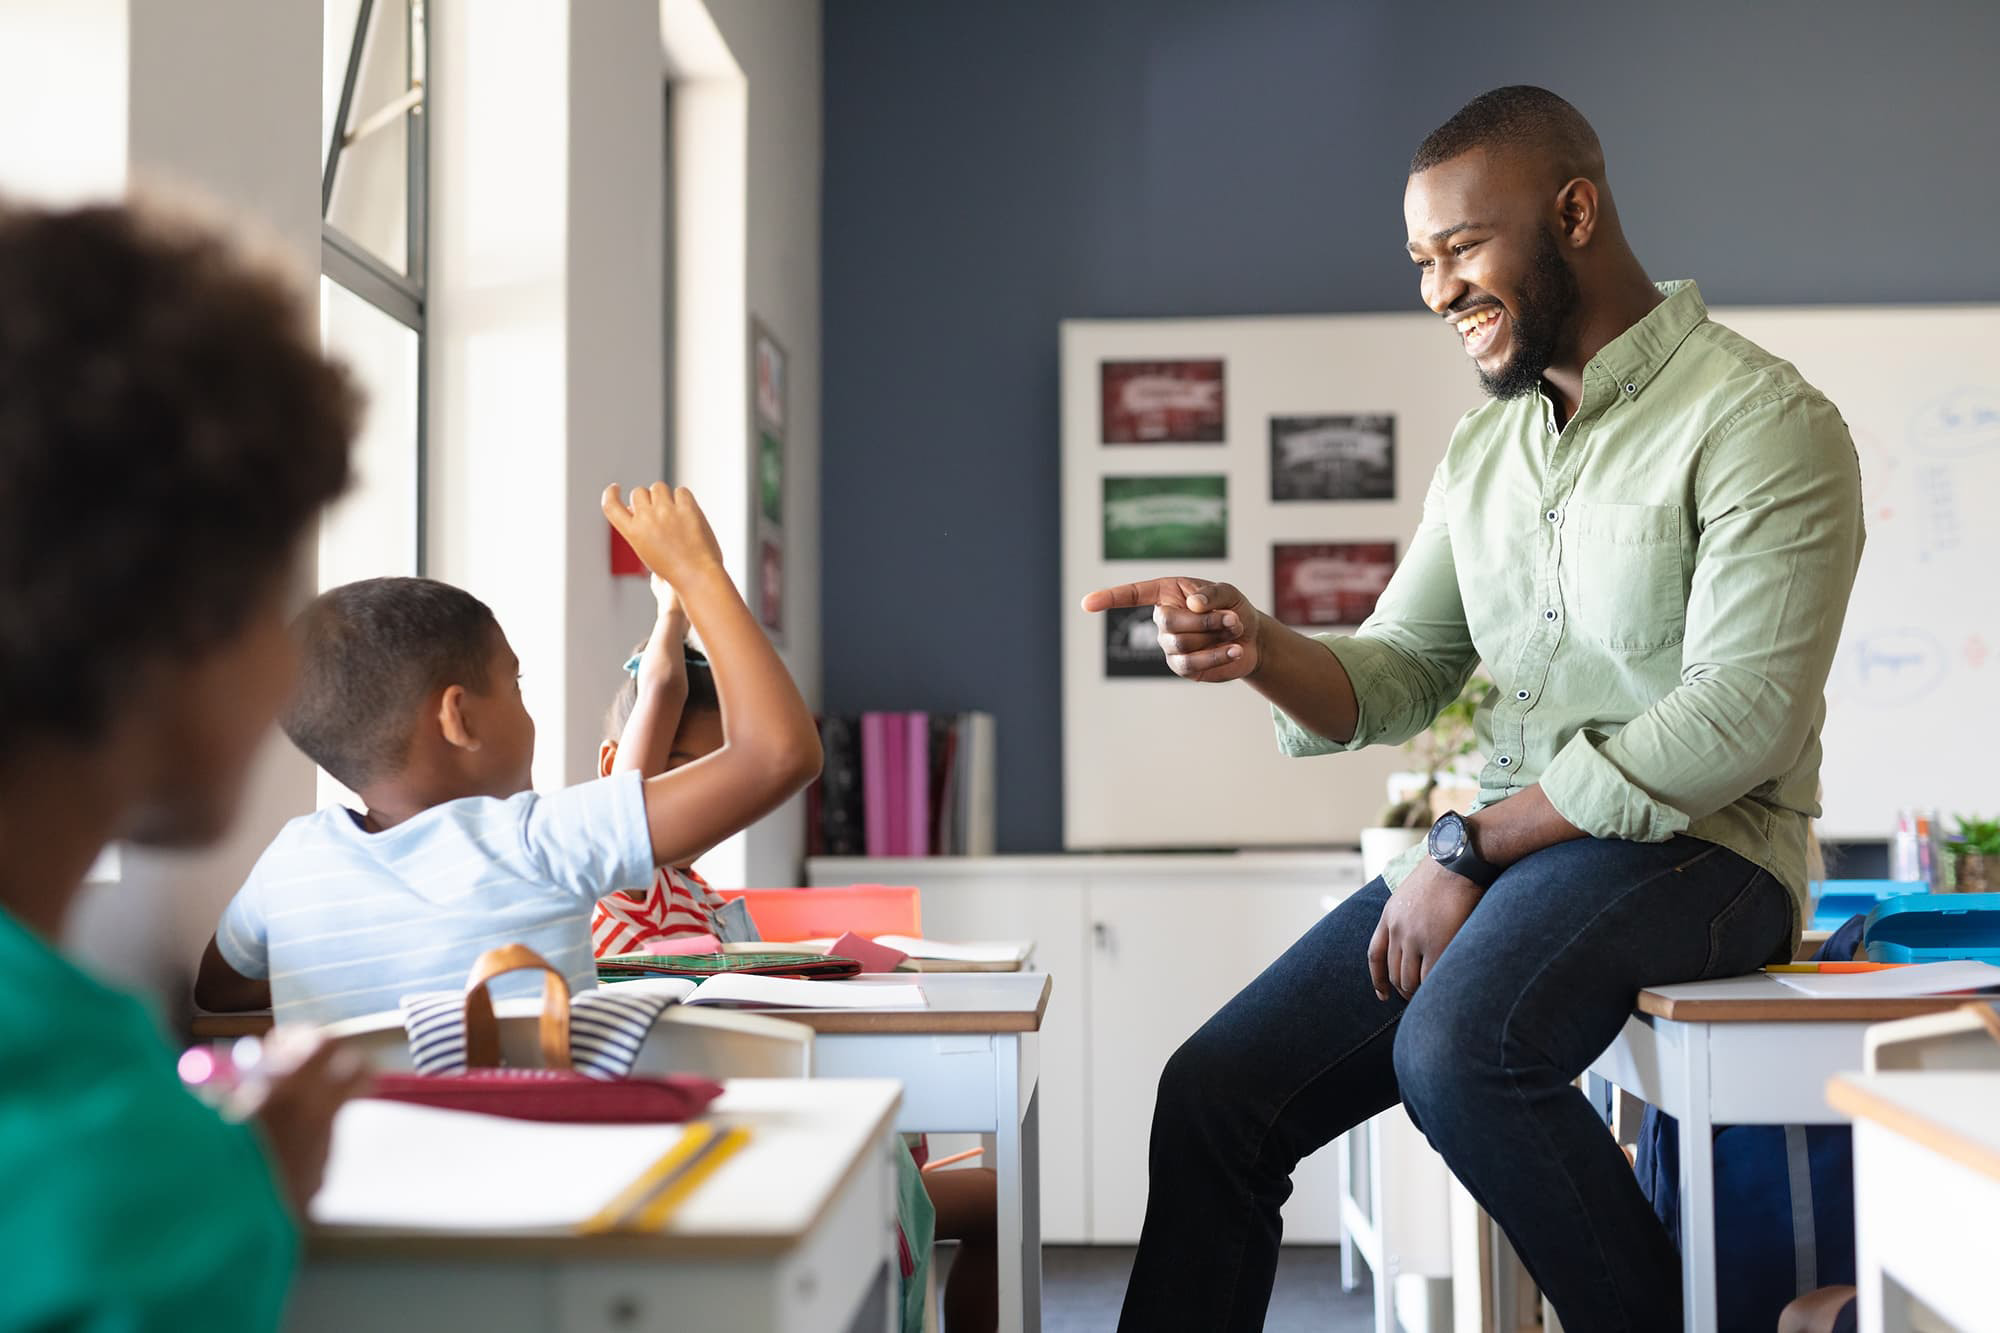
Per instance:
(995,169)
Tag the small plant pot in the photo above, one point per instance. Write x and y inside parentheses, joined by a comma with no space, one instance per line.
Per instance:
(1380,846)
(1971,872)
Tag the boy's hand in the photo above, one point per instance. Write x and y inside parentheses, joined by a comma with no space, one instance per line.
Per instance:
(310,1078)
(666,527)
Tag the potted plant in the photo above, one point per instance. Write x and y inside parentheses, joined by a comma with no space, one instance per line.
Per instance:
(1440,751)
(1972,860)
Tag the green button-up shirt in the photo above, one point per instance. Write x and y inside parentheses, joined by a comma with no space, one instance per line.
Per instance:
(1657,589)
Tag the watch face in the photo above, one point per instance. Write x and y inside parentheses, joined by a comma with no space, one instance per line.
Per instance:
(1448,838)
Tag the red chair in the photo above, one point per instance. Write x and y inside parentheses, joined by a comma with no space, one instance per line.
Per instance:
(830,912)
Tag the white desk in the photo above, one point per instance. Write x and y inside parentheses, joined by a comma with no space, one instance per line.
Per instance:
(1741,1051)
(1926,1196)
(794,1234)
(969,1063)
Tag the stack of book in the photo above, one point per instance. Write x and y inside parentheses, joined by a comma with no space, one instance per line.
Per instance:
(904,784)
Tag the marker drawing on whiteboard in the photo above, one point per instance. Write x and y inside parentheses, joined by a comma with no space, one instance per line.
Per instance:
(1961,421)
(1896,666)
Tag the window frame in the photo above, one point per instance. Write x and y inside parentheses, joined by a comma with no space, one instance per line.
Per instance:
(403,297)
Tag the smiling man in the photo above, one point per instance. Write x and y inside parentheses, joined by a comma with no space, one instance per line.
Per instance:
(1648,536)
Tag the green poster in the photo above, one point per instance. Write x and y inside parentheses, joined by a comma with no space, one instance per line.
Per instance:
(1166,518)
(771,475)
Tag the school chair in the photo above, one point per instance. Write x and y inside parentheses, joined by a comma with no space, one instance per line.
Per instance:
(829,912)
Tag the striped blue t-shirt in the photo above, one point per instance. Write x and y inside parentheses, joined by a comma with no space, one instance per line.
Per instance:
(346,922)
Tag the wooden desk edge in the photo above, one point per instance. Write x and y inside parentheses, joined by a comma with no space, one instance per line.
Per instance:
(424,1246)
(215,1027)
(920,1021)
(1804,1009)
(1856,1100)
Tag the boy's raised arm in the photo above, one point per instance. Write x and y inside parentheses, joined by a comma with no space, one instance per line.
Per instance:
(770,746)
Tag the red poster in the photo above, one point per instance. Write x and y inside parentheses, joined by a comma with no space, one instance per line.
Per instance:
(771,581)
(1162,402)
(1330,583)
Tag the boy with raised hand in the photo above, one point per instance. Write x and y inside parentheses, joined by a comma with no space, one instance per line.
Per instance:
(411,697)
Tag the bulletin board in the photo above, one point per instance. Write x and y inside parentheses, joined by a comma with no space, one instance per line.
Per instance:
(1289,456)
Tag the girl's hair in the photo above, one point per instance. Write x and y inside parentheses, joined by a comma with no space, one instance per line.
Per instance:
(701,694)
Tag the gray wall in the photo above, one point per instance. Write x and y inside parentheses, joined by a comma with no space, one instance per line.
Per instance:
(992,168)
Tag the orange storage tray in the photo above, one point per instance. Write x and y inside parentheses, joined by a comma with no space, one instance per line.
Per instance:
(831,911)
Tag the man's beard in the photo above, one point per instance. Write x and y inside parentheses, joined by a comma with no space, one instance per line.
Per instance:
(1547,300)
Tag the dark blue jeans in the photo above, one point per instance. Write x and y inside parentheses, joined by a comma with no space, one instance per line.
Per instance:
(1533,988)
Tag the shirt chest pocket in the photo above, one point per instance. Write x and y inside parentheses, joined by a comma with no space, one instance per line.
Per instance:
(1622,574)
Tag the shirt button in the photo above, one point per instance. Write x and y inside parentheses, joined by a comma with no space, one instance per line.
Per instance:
(1505,762)
(1632,388)
(1550,516)
(1549,614)
(1520,694)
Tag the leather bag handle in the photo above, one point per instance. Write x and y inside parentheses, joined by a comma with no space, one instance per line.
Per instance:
(482,1029)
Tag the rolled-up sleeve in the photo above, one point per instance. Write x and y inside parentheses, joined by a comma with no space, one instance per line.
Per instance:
(1411,657)
(1779,495)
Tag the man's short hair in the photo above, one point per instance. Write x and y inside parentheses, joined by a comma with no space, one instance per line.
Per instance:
(702,697)
(375,652)
(168,429)
(1518,118)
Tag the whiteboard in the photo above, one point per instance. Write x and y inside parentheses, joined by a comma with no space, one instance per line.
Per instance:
(1167,763)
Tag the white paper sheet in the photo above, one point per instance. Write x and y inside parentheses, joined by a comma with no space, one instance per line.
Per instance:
(734,988)
(1916,979)
(421,1168)
(980,951)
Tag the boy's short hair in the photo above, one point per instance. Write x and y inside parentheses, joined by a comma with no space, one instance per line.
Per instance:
(701,694)
(168,428)
(374,653)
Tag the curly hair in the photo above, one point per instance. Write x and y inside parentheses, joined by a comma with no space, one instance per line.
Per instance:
(168,429)
(701,696)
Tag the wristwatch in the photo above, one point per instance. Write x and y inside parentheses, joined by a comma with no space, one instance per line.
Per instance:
(1451,847)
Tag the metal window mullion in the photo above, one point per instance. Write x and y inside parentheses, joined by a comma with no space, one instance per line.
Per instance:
(348,263)
(346,106)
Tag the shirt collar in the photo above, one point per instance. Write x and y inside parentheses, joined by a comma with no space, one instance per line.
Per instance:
(1631,359)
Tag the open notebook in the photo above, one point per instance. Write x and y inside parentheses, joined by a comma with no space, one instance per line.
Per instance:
(964,956)
(1913,979)
(419,1168)
(741,991)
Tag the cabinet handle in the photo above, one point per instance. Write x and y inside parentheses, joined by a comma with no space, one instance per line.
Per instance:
(1102,933)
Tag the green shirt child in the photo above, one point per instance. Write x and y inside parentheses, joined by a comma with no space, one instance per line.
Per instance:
(129,1204)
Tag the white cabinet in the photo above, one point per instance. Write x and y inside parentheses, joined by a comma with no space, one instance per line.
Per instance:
(1143,949)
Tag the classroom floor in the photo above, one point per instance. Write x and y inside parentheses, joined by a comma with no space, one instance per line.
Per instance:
(1083,1286)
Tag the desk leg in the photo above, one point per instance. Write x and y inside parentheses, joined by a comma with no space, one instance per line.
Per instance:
(1697,1185)
(1017,1149)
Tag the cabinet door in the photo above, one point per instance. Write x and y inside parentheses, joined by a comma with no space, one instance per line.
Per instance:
(1145,1000)
(1050,912)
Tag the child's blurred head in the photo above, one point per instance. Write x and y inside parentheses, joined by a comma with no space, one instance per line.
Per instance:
(700,731)
(409,686)
(169,429)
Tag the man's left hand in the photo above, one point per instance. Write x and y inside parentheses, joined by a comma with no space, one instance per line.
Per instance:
(1421,917)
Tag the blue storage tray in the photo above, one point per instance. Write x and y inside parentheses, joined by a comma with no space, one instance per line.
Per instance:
(1839,899)
(1934,928)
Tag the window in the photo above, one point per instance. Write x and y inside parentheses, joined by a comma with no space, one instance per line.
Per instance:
(373,189)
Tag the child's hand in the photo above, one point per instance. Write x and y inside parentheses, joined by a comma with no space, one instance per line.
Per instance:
(672,612)
(307,1079)
(666,527)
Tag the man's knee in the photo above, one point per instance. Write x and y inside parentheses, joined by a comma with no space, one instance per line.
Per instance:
(1442,1054)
